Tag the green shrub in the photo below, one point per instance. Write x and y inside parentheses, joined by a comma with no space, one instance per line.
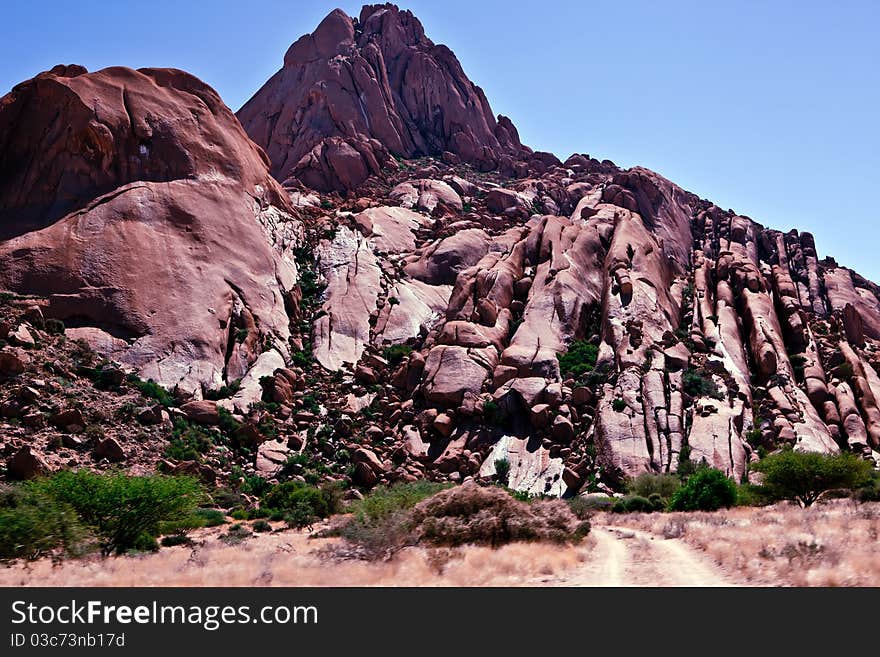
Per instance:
(303,504)
(125,512)
(175,539)
(502,470)
(706,490)
(239,514)
(806,476)
(383,501)
(396,353)
(211,517)
(618,405)
(585,507)
(261,526)
(223,392)
(633,504)
(33,525)
(236,535)
(152,390)
(648,484)
(189,441)
(696,384)
(870,492)
(580,359)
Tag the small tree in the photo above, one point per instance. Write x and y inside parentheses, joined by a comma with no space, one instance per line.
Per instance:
(125,512)
(706,490)
(805,476)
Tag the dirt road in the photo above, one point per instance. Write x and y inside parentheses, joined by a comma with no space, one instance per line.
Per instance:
(628,557)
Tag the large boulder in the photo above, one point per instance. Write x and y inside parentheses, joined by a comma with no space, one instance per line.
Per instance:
(136,203)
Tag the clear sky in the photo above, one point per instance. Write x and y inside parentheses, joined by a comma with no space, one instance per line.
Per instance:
(766,107)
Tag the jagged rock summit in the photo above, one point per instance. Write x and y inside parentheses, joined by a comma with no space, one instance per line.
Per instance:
(125,199)
(359,90)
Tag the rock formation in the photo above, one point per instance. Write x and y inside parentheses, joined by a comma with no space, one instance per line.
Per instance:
(136,204)
(476,309)
(359,90)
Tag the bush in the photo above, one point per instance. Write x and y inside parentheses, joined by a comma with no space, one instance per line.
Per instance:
(649,484)
(303,504)
(696,384)
(618,405)
(262,526)
(502,470)
(396,353)
(223,392)
(237,534)
(580,359)
(55,326)
(33,525)
(490,516)
(125,512)
(636,504)
(189,441)
(383,501)
(210,517)
(805,476)
(584,507)
(706,490)
(382,523)
(175,539)
(152,390)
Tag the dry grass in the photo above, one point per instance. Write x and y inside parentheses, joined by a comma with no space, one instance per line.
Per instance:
(291,558)
(832,544)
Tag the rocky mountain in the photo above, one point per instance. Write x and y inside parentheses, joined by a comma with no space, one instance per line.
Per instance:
(465,306)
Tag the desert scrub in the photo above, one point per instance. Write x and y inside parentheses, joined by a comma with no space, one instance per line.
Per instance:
(705,490)
(649,483)
(396,353)
(580,359)
(469,514)
(805,477)
(125,513)
(33,525)
(302,504)
(152,390)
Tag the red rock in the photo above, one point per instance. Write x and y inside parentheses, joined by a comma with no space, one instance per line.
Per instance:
(12,362)
(354,90)
(202,412)
(110,449)
(147,215)
(70,419)
(24,465)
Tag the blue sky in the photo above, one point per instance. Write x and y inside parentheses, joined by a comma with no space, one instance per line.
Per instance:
(769,108)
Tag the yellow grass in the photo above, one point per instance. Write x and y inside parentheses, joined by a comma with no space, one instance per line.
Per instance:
(290,558)
(831,544)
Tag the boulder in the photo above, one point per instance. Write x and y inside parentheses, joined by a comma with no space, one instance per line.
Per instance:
(24,465)
(151,215)
(109,449)
(202,412)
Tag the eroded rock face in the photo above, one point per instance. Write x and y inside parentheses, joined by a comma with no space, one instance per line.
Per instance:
(144,210)
(359,88)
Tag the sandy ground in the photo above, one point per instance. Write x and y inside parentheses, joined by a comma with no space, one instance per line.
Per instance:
(610,556)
